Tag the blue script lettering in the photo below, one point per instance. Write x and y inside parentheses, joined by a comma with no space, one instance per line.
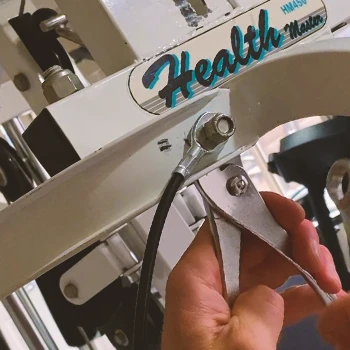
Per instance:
(207,72)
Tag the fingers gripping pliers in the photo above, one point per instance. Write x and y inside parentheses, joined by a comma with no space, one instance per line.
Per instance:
(233,205)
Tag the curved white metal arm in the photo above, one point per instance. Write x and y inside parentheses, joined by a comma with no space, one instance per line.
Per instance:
(110,187)
(306,81)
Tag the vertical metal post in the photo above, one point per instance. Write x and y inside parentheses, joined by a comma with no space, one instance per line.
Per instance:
(14,130)
(35,317)
(13,307)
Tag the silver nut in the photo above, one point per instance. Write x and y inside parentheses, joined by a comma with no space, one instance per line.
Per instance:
(71,291)
(220,128)
(237,186)
(60,84)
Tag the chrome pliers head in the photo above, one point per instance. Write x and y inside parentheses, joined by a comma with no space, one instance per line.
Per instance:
(234,204)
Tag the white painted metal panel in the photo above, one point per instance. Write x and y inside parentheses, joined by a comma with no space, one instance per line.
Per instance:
(99,194)
(93,198)
(12,103)
(15,58)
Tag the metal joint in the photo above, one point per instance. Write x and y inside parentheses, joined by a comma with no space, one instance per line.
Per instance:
(210,131)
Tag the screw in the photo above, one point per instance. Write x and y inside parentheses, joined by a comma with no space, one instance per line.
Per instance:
(21,82)
(71,291)
(121,338)
(237,186)
(220,128)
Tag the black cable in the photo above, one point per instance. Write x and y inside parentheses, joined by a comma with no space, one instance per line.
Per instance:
(149,259)
(22,7)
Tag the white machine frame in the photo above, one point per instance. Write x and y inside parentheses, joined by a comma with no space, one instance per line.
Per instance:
(122,159)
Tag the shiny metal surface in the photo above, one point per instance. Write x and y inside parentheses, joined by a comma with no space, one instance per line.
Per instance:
(60,83)
(248,211)
(237,186)
(206,136)
(339,172)
(70,35)
(13,307)
(36,319)
(228,247)
(14,130)
(220,128)
(53,23)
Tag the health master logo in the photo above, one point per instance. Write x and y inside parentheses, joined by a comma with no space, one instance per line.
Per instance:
(197,66)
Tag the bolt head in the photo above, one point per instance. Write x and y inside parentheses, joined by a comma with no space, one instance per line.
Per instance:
(120,338)
(220,128)
(21,82)
(237,186)
(71,291)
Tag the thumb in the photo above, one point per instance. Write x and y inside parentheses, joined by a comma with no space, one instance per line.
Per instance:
(257,319)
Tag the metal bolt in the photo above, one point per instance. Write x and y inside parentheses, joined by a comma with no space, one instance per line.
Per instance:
(60,83)
(21,82)
(53,23)
(220,128)
(71,291)
(121,338)
(237,186)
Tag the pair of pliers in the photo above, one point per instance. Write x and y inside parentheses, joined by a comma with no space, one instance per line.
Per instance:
(234,204)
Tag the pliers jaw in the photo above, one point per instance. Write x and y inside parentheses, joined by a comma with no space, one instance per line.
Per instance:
(234,204)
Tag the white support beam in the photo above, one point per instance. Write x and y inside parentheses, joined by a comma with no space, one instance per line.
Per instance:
(99,194)
(135,31)
(12,103)
(15,58)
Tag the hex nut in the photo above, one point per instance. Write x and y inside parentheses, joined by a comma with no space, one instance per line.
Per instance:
(60,85)
(220,128)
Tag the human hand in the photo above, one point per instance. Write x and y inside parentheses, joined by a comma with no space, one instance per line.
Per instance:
(334,323)
(197,316)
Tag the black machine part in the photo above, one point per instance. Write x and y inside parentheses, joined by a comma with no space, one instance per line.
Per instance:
(45,48)
(15,180)
(306,157)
